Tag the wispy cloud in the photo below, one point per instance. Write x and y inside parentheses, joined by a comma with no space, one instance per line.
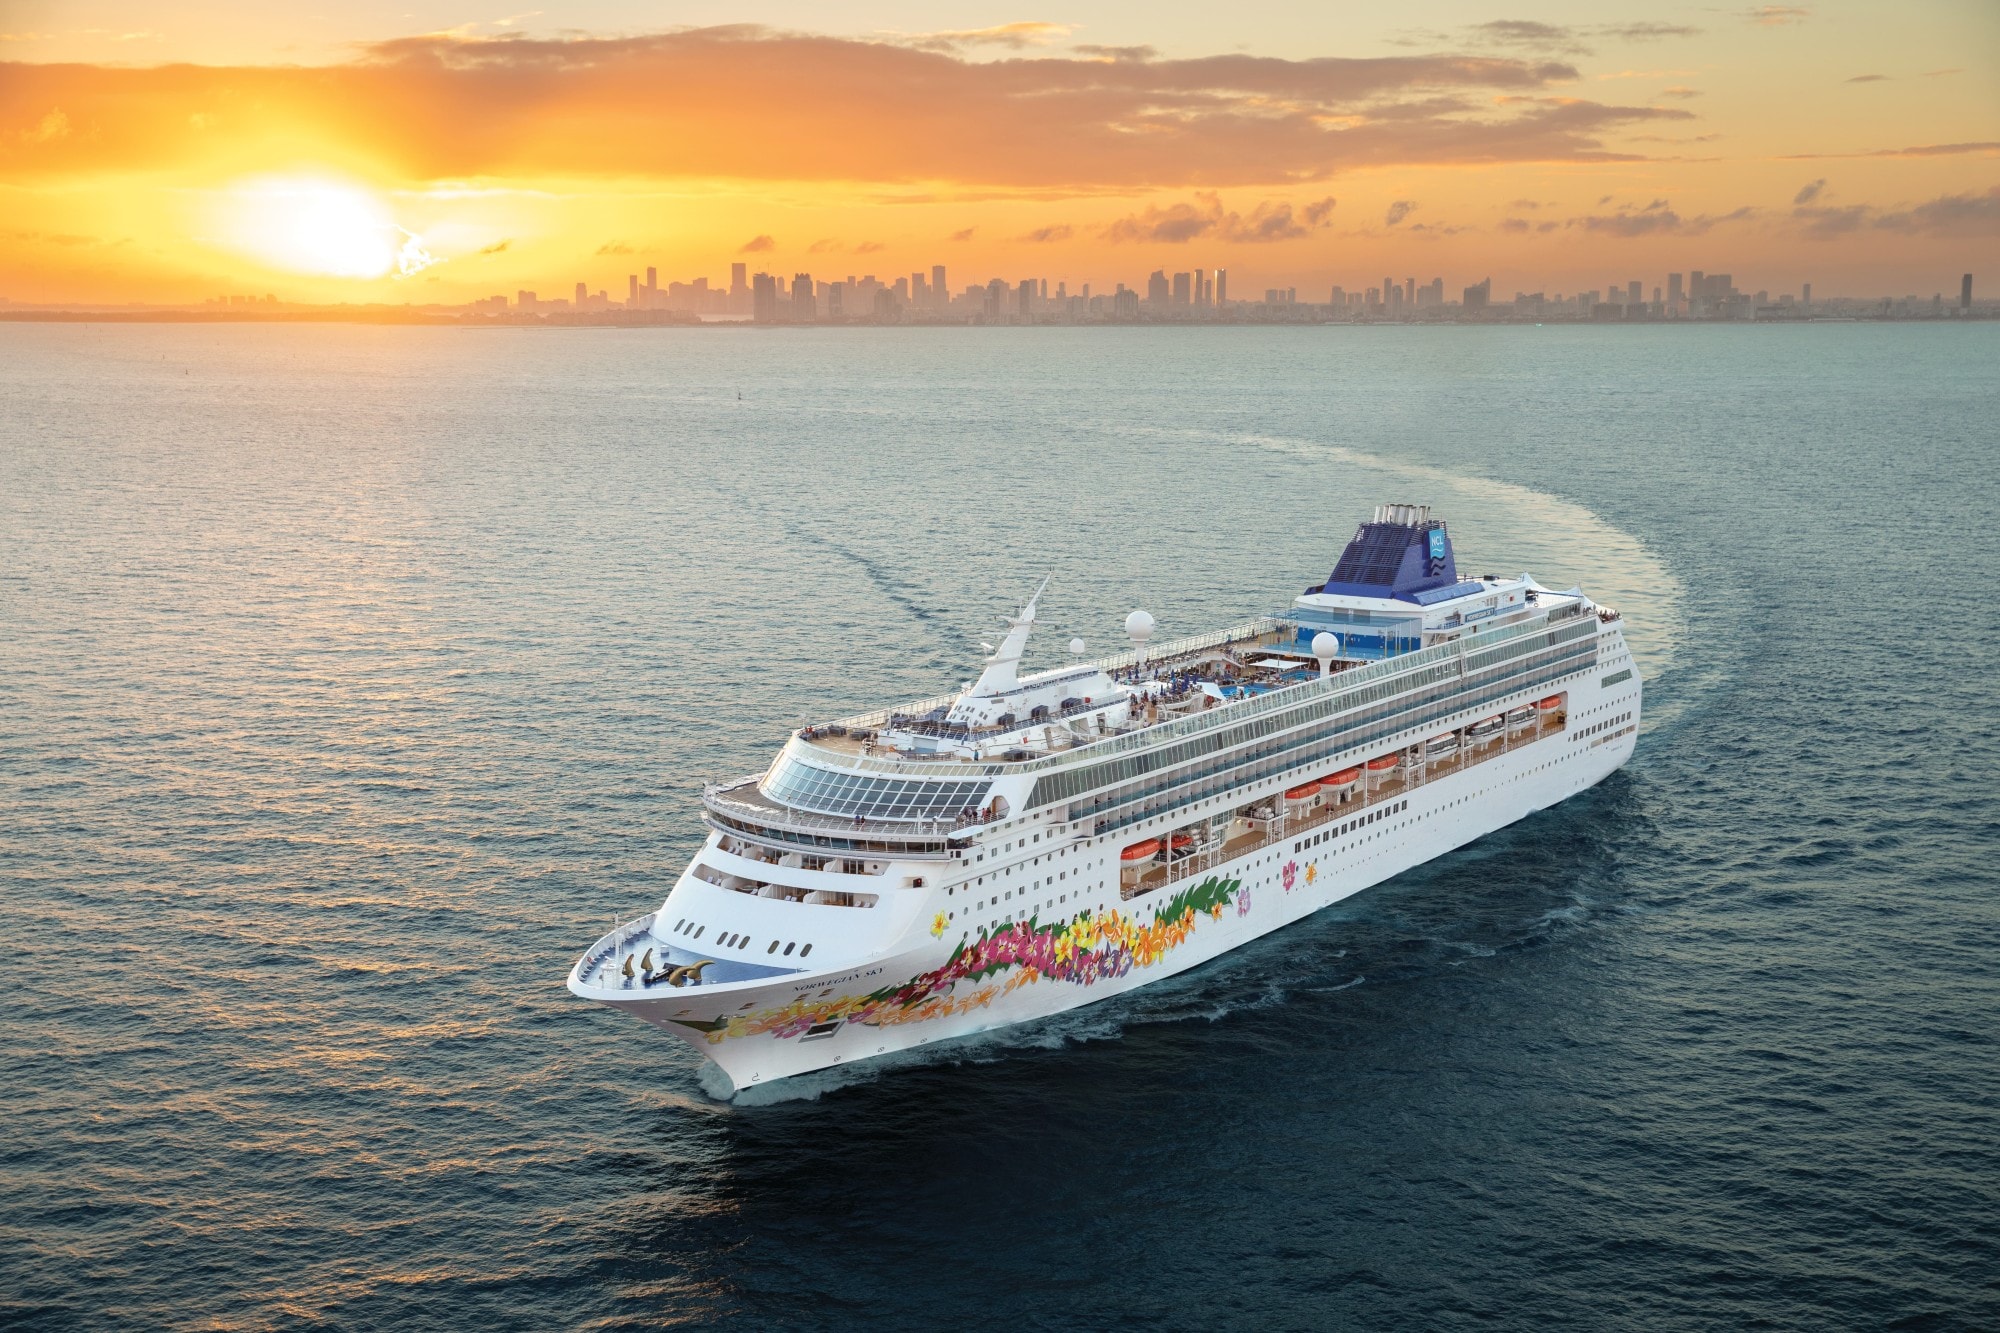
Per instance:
(964,235)
(1207,219)
(1012,36)
(614,248)
(756,245)
(1809,191)
(1061,231)
(1953,216)
(795,107)
(1868,78)
(1984,146)
(498,247)
(1777,16)
(1654,219)
(1399,210)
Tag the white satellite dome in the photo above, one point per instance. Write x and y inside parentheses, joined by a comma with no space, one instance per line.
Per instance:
(1139,624)
(1326,645)
(1076,647)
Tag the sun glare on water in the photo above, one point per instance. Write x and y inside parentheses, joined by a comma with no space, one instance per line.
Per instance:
(323,227)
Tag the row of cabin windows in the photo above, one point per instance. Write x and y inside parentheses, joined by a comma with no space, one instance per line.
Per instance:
(1352,824)
(735,940)
(1605,725)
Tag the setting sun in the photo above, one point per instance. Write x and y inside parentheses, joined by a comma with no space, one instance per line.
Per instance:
(316,226)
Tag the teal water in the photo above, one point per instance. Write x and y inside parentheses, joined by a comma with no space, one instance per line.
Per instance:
(354,679)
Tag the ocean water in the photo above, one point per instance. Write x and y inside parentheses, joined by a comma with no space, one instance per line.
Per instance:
(352,680)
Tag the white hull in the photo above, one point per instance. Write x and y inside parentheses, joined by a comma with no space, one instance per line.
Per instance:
(758,1031)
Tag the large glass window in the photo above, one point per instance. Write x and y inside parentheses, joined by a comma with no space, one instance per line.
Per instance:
(825,791)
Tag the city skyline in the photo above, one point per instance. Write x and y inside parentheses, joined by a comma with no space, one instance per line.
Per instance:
(411,155)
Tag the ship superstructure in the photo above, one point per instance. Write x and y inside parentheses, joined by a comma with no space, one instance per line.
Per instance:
(1041,841)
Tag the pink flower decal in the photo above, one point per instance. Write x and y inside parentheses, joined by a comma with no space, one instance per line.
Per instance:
(1291,875)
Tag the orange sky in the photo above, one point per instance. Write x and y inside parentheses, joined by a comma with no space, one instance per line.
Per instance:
(145,156)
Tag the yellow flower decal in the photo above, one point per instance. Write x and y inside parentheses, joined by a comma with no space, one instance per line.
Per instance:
(1312,872)
(938,925)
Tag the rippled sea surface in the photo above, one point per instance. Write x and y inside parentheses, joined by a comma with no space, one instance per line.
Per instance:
(352,680)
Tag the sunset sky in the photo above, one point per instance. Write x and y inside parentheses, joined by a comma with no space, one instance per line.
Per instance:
(421,152)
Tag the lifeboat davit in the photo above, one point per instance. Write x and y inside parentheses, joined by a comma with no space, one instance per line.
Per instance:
(1305,791)
(1550,704)
(1344,778)
(1486,726)
(1141,851)
(1183,841)
(1384,763)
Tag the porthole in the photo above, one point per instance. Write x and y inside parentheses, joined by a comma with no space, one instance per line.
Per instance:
(789,948)
(803,952)
(773,948)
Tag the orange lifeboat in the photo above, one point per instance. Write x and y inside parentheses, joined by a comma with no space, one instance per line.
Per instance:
(1344,778)
(1182,841)
(1305,791)
(1550,704)
(1141,851)
(1384,764)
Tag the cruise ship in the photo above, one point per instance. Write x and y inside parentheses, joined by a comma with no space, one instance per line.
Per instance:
(1038,841)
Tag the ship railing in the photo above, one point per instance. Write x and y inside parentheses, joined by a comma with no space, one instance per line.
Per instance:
(1364,684)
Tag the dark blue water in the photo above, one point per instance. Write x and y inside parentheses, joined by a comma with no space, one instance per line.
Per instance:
(352,680)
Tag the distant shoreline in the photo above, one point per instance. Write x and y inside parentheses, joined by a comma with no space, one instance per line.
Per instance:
(662,320)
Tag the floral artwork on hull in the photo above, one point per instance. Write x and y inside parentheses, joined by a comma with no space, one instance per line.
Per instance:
(1083,950)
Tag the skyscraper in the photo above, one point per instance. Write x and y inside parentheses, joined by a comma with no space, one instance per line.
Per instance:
(805,309)
(1635,293)
(1024,301)
(1156,289)
(1200,288)
(1673,291)
(582,295)
(1964,292)
(1221,287)
(1183,289)
(939,292)
(632,290)
(764,296)
(1805,296)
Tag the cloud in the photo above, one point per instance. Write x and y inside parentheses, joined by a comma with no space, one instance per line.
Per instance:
(1823,223)
(614,248)
(868,247)
(1117,52)
(1525,203)
(1680,91)
(1515,224)
(1950,216)
(1809,191)
(964,235)
(1869,78)
(756,245)
(1776,16)
(1061,231)
(1655,219)
(1207,219)
(498,247)
(53,126)
(1399,210)
(1917,150)
(1528,34)
(1013,36)
(1646,32)
(801,108)
(1953,215)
